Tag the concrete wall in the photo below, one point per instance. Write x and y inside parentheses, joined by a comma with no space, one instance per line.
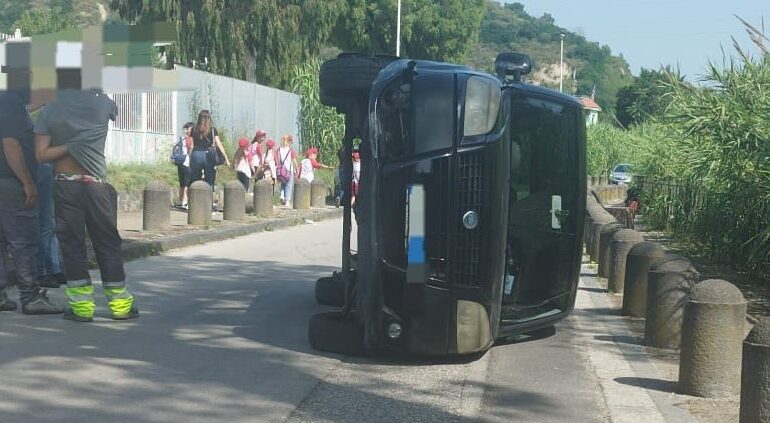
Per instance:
(238,107)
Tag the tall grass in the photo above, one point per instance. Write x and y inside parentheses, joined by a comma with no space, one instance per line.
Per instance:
(706,162)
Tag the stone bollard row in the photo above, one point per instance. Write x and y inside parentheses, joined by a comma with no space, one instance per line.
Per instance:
(318,192)
(235,202)
(599,218)
(263,199)
(669,283)
(156,208)
(638,263)
(755,375)
(301,195)
(620,245)
(201,199)
(712,332)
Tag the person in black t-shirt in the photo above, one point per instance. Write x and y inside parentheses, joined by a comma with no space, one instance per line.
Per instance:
(18,207)
(206,142)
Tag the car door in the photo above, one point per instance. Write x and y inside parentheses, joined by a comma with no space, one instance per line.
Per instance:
(542,247)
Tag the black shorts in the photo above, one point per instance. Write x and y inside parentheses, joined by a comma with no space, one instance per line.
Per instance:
(183,172)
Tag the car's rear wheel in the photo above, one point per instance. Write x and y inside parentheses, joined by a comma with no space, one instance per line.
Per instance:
(336,333)
(330,291)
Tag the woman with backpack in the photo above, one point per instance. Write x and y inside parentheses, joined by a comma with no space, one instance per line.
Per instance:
(286,168)
(208,151)
(180,156)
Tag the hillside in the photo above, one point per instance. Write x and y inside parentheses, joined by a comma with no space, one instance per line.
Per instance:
(509,28)
(77,12)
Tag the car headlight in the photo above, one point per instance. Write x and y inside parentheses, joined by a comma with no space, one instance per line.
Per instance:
(482,104)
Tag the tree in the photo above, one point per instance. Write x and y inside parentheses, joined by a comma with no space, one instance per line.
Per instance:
(647,96)
(256,40)
(441,30)
(34,22)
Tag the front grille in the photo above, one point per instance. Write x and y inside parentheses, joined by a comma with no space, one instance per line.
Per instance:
(470,189)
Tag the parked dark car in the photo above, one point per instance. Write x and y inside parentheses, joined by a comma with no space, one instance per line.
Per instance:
(470,211)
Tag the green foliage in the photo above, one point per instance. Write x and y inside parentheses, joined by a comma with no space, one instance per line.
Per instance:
(254,40)
(44,16)
(441,30)
(647,97)
(706,162)
(509,28)
(134,177)
(33,22)
(319,126)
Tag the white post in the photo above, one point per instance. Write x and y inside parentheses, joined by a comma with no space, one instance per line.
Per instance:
(398,30)
(561,64)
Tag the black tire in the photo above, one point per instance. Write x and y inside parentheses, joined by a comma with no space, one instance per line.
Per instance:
(348,77)
(330,291)
(333,332)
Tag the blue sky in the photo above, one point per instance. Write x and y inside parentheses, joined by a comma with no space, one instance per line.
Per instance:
(650,33)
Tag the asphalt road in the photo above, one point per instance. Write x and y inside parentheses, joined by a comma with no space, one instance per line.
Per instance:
(222,338)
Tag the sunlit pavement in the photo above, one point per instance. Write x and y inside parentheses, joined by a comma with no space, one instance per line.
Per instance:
(222,338)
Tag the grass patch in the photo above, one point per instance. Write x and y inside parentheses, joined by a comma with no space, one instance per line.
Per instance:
(134,177)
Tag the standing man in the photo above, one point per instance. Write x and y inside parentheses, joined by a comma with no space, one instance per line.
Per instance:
(71,132)
(18,207)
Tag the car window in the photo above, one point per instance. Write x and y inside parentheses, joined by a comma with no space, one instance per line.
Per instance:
(622,168)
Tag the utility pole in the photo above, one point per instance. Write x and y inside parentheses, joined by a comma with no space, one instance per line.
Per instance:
(398,30)
(561,64)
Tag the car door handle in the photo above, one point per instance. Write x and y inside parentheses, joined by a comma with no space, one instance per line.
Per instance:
(561,214)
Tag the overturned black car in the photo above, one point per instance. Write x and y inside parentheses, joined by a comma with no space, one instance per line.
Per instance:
(469,212)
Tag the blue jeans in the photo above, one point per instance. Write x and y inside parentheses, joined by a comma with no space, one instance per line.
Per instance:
(286,190)
(200,165)
(48,245)
(19,235)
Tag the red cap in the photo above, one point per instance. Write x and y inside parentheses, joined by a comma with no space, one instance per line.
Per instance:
(260,133)
(270,143)
(311,150)
(243,142)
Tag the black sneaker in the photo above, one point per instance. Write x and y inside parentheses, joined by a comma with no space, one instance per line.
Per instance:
(70,315)
(132,314)
(6,304)
(41,305)
(60,278)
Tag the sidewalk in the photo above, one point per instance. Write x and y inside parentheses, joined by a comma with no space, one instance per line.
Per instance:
(138,243)
(639,383)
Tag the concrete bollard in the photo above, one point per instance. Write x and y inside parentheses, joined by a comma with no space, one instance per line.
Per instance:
(235,201)
(301,195)
(598,222)
(605,236)
(669,283)
(755,383)
(263,199)
(620,245)
(712,334)
(318,192)
(200,201)
(594,180)
(640,260)
(156,208)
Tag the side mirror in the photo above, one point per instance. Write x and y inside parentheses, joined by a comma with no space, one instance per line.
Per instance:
(512,65)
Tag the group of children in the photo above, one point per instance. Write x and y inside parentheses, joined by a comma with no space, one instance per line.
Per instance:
(260,159)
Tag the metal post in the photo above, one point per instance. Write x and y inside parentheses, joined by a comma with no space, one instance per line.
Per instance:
(561,64)
(398,30)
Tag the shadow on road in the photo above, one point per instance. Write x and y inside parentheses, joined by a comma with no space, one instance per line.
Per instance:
(653,384)
(218,340)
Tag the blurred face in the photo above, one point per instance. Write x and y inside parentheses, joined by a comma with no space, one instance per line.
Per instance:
(188,131)
(313,156)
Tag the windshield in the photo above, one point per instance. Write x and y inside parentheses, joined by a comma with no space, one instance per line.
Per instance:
(622,168)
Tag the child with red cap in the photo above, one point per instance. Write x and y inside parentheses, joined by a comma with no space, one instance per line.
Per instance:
(310,164)
(256,150)
(242,163)
(356,177)
(268,162)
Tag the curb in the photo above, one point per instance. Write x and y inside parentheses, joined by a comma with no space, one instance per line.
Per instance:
(138,249)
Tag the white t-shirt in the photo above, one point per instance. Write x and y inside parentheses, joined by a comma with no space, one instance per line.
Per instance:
(285,155)
(270,161)
(308,173)
(244,166)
